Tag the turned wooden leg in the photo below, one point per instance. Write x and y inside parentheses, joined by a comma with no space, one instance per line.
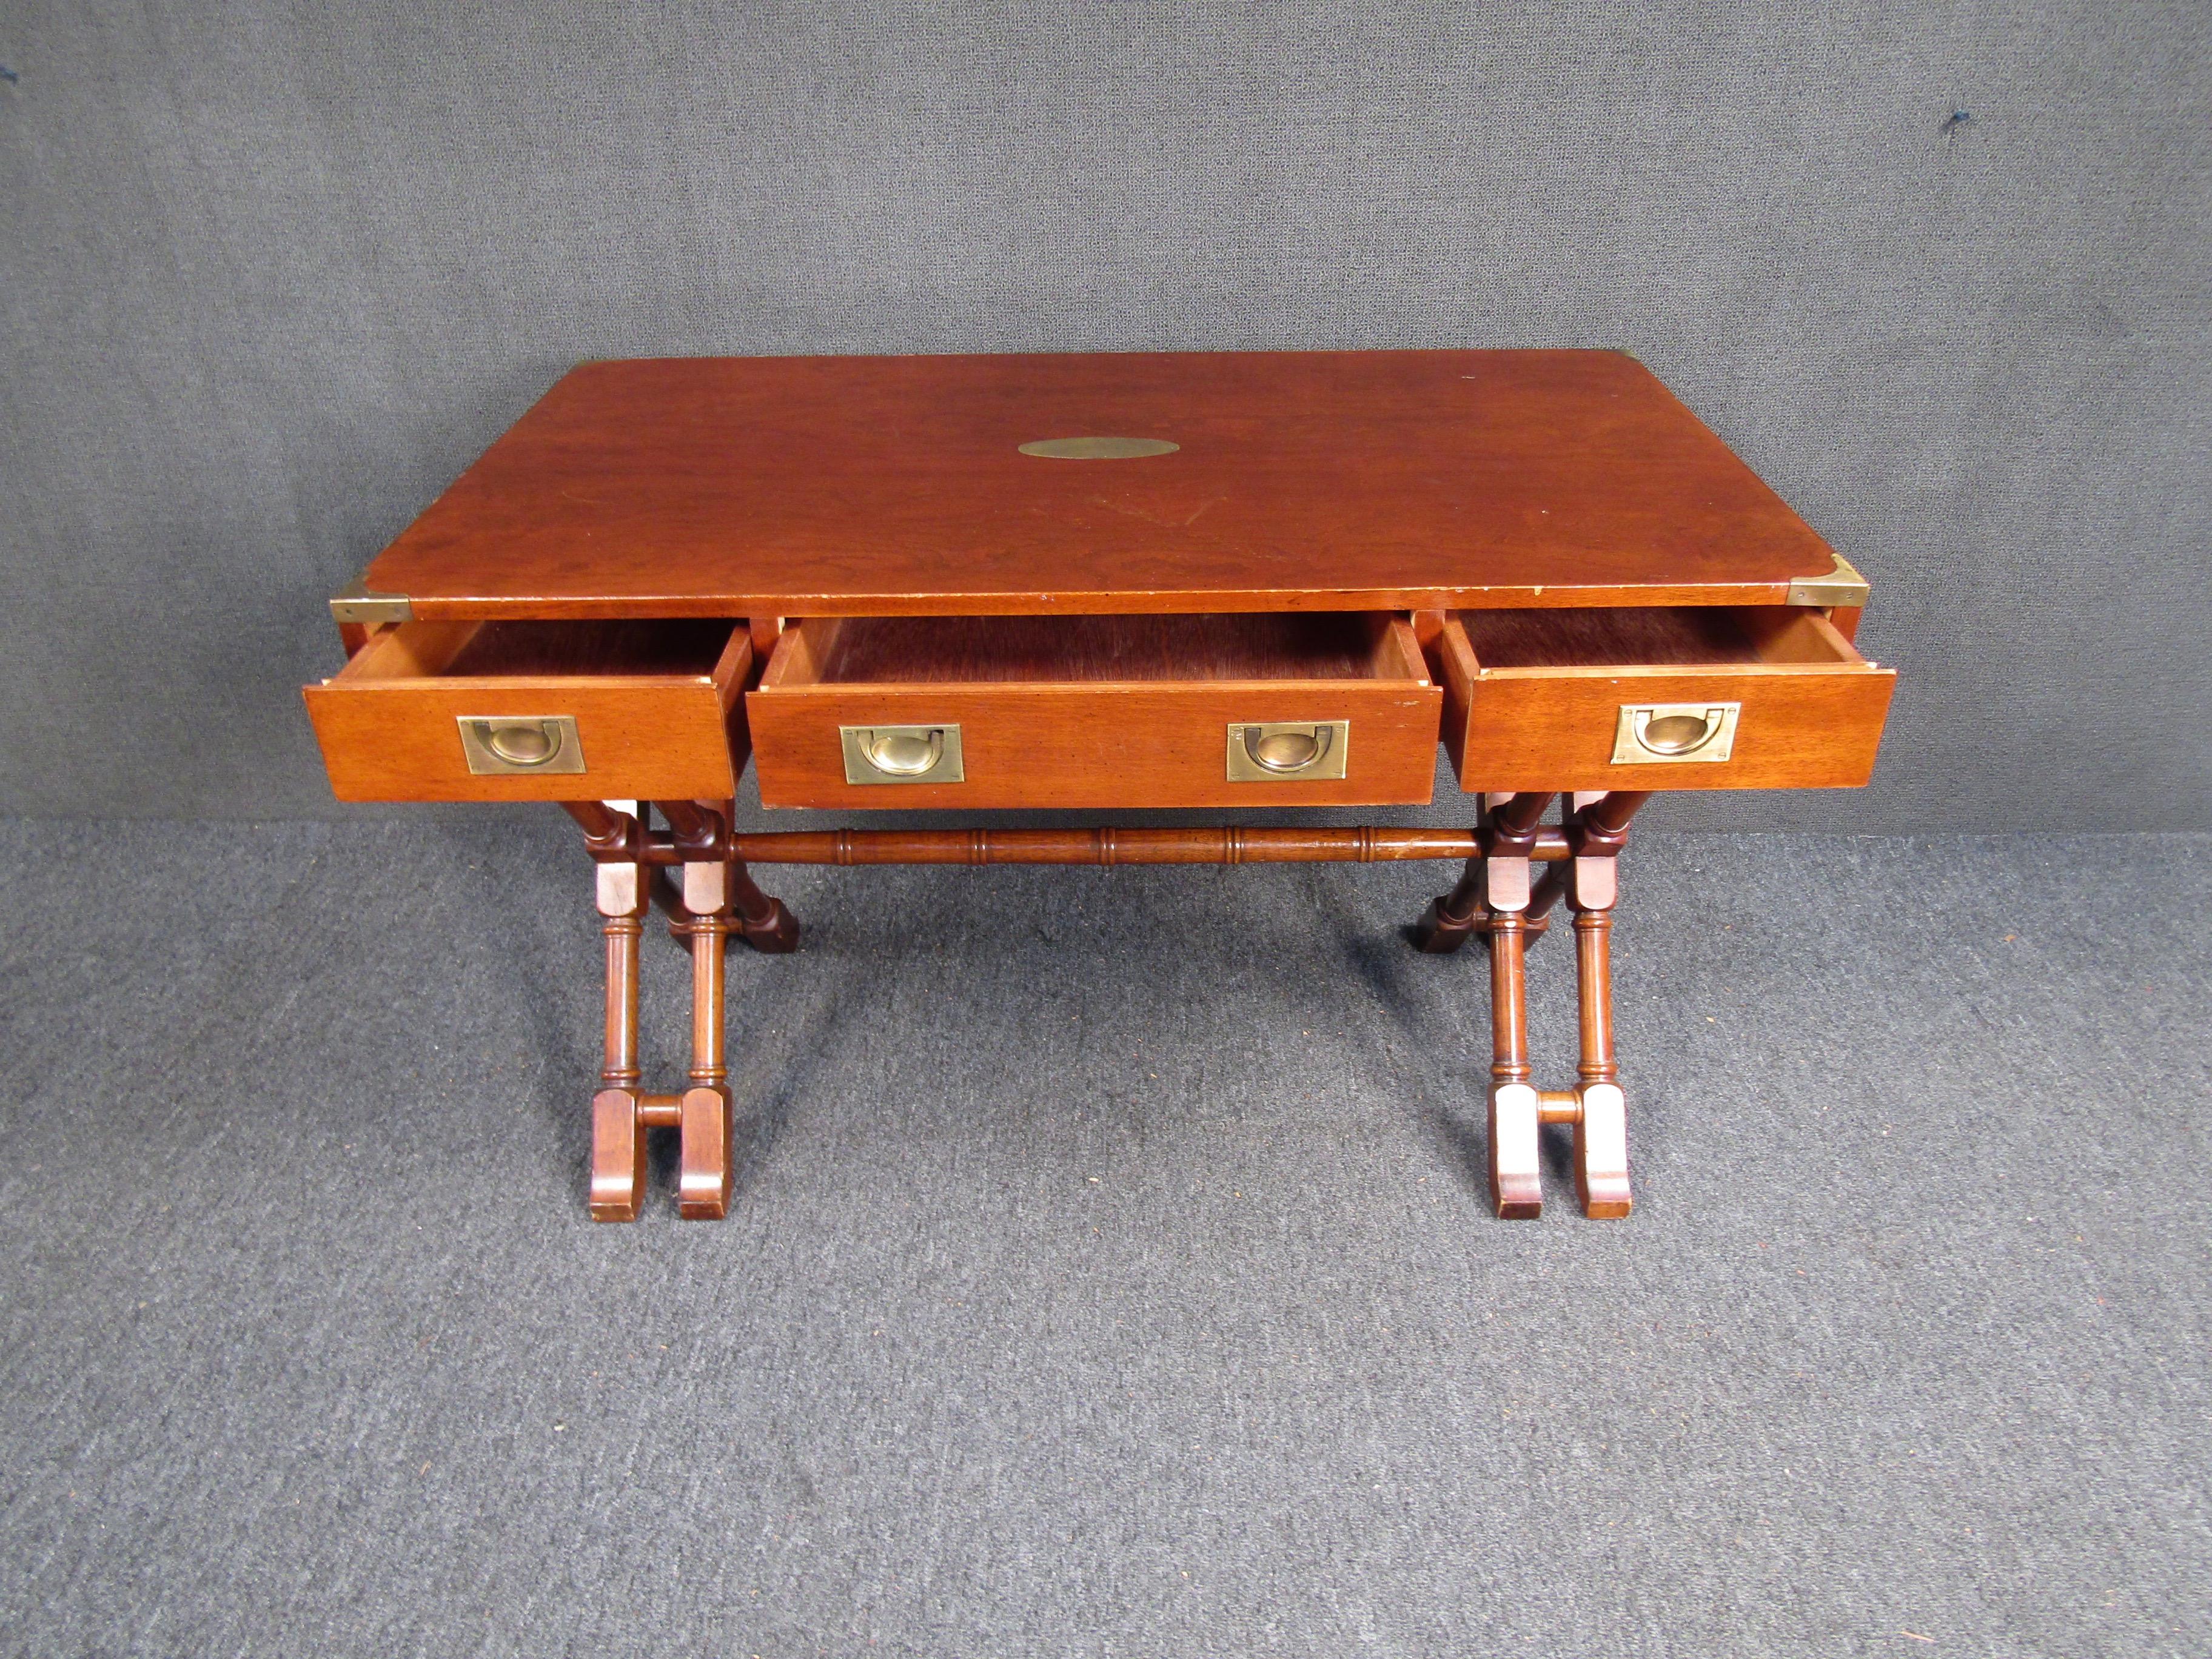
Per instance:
(1514,1189)
(1452,918)
(762,922)
(618,1159)
(717,899)
(703,1191)
(1549,885)
(1541,897)
(1601,1121)
(703,835)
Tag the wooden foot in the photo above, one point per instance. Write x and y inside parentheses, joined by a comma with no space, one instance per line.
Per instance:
(1516,1184)
(702,1187)
(1602,1153)
(1440,931)
(774,931)
(1454,917)
(762,922)
(619,1161)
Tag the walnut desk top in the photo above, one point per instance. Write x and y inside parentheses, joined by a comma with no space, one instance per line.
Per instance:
(843,486)
(1116,581)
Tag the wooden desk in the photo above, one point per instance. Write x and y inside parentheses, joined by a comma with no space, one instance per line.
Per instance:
(1121,581)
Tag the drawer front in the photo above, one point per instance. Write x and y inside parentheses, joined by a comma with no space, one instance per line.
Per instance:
(681,740)
(1118,745)
(1778,727)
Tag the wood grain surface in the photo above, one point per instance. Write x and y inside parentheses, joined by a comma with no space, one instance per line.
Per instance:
(1255,646)
(1641,634)
(1404,480)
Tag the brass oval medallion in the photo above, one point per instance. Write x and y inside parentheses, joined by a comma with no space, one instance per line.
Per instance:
(1098,449)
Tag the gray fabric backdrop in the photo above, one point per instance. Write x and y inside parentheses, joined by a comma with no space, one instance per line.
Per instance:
(272,274)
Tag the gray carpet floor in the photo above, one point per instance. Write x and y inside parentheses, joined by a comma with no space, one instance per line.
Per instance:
(1110,1272)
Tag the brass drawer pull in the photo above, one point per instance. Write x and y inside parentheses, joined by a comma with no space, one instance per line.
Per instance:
(496,745)
(1660,731)
(1288,751)
(902,754)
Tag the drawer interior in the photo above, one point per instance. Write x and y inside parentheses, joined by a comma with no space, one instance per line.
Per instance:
(1654,636)
(1095,649)
(610,649)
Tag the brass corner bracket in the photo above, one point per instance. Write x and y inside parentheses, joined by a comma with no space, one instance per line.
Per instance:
(354,602)
(1843,585)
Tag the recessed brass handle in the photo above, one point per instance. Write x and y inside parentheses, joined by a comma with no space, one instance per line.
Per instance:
(902,754)
(1676,734)
(523,745)
(1287,750)
(1651,732)
(495,744)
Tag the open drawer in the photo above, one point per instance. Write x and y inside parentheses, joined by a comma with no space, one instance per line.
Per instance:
(1259,709)
(597,710)
(1753,697)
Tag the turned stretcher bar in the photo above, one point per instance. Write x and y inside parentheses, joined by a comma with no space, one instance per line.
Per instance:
(616,839)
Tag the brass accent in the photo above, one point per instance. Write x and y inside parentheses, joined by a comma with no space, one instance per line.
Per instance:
(1288,751)
(1651,732)
(902,754)
(1098,449)
(502,744)
(354,602)
(1843,585)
